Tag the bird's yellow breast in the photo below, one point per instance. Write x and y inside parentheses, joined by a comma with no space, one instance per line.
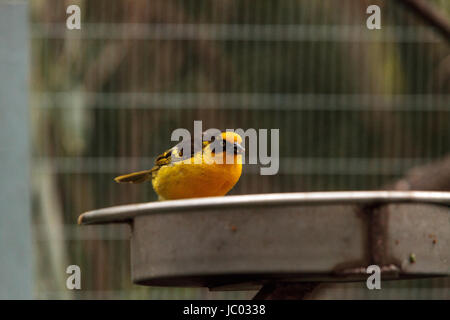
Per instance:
(186,179)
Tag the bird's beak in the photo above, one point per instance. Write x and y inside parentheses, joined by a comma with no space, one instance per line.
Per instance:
(238,149)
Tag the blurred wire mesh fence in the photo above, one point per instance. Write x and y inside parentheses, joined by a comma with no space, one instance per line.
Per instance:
(355,108)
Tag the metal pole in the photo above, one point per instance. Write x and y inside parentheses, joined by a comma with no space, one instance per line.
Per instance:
(15,225)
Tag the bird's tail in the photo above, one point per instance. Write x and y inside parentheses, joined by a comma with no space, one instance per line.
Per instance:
(135,177)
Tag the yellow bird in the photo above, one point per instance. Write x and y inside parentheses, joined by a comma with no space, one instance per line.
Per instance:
(194,175)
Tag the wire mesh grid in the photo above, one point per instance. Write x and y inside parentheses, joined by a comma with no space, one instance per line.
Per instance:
(356,109)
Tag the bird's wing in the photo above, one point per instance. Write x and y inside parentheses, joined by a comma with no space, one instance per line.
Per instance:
(182,151)
(177,153)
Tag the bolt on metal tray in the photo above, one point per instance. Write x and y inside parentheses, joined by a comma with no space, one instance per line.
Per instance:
(241,242)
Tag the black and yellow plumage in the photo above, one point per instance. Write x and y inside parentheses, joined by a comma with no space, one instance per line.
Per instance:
(195,174)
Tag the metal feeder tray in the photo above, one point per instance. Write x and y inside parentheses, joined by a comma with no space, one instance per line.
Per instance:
(242,242)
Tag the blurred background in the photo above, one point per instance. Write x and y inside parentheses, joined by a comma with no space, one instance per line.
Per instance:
(356,109)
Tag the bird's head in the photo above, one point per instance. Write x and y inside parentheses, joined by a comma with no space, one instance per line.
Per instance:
(227,144)
(232,139)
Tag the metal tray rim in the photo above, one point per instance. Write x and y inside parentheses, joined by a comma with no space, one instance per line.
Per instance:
(128,212)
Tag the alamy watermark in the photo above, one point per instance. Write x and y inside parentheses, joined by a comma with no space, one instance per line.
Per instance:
(74,280)
(258,146)
(374,280)
(374,20)
(74,20)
